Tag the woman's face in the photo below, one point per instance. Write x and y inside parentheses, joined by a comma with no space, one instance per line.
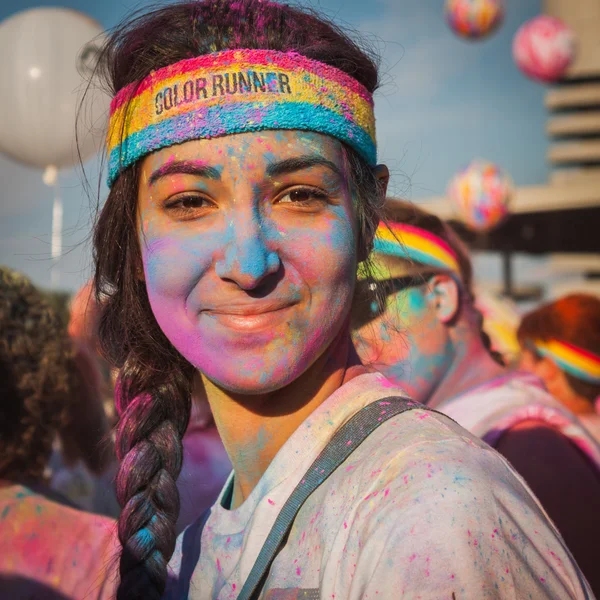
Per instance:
(249,248)
(407,342)
(529,362)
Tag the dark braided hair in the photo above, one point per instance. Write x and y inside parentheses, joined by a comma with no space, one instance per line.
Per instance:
(153,393)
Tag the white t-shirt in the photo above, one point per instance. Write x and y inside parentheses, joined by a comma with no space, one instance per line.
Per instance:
(491,409)
(421,509)
(592,423)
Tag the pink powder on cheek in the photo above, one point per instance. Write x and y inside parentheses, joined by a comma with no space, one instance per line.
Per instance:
(321,252)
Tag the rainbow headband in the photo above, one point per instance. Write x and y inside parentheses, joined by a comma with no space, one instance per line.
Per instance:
(237,91)
(415,244)
(573,360)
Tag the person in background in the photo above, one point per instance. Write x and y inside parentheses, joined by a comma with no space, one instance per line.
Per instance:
(416,322)
(83,462)
(45,543)
(560,343)
(84,315)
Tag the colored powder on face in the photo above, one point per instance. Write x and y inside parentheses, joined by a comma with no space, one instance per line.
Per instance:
(250,242)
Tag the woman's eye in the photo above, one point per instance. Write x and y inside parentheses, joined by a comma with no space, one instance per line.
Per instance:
(303,197)
(188,205)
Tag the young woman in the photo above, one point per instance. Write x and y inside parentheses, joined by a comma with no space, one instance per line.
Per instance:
(560,344)
(244,193)
(426,336)
(48,549)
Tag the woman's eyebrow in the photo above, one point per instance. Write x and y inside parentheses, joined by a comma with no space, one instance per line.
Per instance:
(298,163)
(185,167)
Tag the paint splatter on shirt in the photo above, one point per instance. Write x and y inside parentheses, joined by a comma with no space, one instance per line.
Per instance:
(421,509)
(50,550)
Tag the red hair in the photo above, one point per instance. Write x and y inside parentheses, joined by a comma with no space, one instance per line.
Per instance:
(574,319)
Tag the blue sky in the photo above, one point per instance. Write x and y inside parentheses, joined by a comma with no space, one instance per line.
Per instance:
(443,102)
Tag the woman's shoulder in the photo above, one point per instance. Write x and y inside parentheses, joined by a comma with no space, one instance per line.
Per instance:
(419,438)
(43,512)
(421,458)
(73,545)
(450,512)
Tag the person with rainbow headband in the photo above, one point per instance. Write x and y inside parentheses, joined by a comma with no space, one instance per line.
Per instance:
(244,192)
(415,321)
(560,344)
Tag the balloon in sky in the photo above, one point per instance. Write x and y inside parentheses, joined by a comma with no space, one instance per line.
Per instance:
(544,48)
(47,56)
(474,19)
(481,193)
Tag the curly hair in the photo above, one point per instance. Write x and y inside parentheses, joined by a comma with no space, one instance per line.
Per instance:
(34,396)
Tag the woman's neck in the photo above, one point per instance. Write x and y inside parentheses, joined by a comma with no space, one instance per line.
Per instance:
(254,428)
(472,366)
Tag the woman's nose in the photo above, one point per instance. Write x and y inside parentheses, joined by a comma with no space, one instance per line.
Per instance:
(247,260)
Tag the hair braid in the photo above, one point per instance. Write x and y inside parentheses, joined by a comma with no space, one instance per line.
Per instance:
(486,340)
(149,446)
(155,386)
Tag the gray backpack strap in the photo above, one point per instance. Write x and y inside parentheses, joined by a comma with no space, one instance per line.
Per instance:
(339,448)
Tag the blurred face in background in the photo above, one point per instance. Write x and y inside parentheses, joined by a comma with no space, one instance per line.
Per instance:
(529,362)
(546,369)
(404,335)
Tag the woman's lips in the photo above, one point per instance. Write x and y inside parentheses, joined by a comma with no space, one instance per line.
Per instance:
(250,317)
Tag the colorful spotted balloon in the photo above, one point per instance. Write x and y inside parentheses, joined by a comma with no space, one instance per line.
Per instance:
(481,193)
(543,48)
(474,19)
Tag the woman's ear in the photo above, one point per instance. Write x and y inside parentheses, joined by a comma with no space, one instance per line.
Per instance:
(382,173)
(443,296)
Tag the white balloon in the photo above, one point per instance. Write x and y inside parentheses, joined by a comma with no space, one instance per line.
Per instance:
(47,56)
